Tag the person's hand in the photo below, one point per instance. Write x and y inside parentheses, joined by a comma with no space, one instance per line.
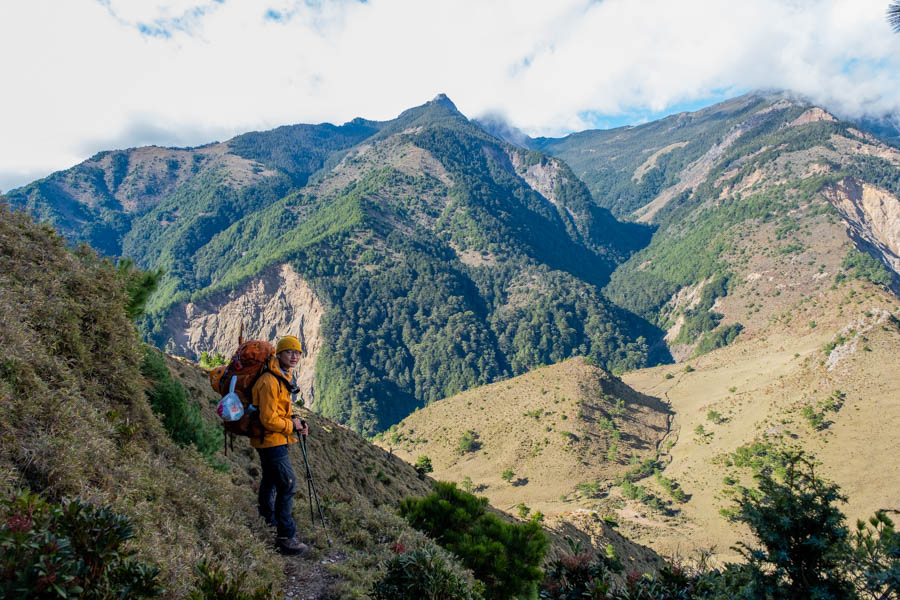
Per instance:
(300,426)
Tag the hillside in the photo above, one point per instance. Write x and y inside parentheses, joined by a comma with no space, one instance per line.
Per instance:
(821,378)
(417,257)
(760,202)
(90,413)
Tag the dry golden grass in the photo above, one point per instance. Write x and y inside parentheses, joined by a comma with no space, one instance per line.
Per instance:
(761,384)
(545,426)
(75,422)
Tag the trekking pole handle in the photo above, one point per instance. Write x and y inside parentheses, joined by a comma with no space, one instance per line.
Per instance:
(302,424)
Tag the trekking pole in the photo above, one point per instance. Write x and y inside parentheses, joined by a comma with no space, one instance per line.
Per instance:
(311,487)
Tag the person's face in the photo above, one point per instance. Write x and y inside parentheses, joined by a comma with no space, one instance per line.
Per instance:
(288,359)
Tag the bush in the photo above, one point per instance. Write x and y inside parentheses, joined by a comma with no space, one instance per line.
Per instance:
(469,442)
(181,419)
(424,464)
(580,574)
(804,542)
(506,557)
(422,575)
(72,550)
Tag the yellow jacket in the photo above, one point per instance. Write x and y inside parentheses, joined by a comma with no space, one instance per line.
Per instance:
(273,399)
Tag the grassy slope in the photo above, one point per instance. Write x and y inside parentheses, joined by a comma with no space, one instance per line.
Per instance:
(76,423)
(761,385)
(523,425)
(775,370)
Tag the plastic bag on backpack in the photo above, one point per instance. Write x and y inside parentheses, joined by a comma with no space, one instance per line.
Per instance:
(230,406)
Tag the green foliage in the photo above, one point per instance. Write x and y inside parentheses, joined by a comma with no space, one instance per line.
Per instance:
(423,463)
(467,484)
(588,490)
(716,417)
(758,456)
(507,475)
(522,510)
(422,575)
(213,584)
(139,285)
(671,486)
(875,566)
(181,418)
(301,150)
(863,265)
(816,420)
(468,442)
(702,318)
(506,557)
(208,361)
(73,550)
(580,575)
(718,338)
(640,470)
(804,544)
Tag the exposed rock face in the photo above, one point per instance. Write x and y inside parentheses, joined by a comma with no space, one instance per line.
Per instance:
(810,116)
(872,215)
(542,177)
(276,303)
(691,177)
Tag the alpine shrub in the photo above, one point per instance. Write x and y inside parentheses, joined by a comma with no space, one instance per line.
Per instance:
(181,419)
(506,557)
(73,550)
(422,575)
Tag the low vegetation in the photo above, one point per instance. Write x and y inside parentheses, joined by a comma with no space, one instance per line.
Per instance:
(505,557)
(802,549)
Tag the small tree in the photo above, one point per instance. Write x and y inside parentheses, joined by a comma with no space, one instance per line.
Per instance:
(507,475)
(505,556)
(523,510)
(424,464)
(804,543)
(467,484)
(468,442)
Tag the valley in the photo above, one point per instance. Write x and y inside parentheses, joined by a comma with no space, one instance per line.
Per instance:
(607,334)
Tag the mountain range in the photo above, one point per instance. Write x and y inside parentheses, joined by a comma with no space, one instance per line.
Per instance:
(618,329)
(423,256)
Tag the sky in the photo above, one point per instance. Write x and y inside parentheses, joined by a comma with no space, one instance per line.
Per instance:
(81,76)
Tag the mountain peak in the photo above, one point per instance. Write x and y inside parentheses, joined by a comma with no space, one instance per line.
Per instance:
(443,100)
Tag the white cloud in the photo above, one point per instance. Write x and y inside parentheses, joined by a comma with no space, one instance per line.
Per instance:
(83,77)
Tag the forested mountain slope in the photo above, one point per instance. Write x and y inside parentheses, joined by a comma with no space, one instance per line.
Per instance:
(418,257)
(92,417)
(759,201)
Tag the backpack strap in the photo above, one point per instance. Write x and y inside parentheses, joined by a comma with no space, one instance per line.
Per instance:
(293,389)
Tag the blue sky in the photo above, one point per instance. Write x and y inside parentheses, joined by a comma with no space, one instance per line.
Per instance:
(90,75)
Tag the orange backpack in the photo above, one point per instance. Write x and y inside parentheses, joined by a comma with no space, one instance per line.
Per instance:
(247,365)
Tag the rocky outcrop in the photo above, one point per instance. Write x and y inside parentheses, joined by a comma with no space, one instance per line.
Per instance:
(542,176)
(811,116)
(872,215)
(278,302)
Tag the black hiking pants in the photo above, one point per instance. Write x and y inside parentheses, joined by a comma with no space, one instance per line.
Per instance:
(277,488)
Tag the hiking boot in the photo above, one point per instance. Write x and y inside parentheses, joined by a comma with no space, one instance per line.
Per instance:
(291,546)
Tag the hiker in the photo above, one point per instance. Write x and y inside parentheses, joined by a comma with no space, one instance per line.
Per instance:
(272,396)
